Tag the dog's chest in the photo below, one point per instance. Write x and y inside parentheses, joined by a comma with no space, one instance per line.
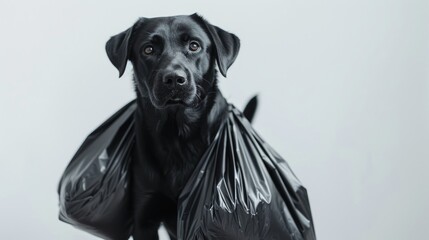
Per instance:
(178,159)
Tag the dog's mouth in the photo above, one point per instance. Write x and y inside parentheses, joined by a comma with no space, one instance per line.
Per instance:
(175,101)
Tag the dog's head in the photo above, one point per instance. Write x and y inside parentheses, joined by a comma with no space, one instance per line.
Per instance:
(172,57)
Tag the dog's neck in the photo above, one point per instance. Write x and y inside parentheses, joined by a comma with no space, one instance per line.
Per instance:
(180,121)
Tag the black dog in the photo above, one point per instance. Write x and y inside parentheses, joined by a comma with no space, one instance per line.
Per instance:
(179,107)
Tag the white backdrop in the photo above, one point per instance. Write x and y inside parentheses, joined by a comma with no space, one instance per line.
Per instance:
(343,87)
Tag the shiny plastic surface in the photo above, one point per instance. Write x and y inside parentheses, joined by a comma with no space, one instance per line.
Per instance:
(93,190)
(241,188)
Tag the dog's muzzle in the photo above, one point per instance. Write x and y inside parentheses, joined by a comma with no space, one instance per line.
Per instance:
(174,87)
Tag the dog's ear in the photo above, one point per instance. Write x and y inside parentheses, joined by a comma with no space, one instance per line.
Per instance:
(118,48)
(226,44)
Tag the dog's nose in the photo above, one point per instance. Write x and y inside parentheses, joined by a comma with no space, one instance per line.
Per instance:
(175,78)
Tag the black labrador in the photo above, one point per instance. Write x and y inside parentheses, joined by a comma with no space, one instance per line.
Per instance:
(179,107)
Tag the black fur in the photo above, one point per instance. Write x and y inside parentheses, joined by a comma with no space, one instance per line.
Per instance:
(179,107)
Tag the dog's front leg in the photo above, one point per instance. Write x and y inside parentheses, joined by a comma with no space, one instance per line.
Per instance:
(146,231)
(147,217)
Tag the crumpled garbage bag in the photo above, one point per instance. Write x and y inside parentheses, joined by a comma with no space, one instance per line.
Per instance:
(241,188)
(93,191)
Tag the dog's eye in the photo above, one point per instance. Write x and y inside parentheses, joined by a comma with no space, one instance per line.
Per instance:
(194,46)
(148,50)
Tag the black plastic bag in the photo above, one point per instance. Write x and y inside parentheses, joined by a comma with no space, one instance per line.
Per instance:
(93,190)
(241,188)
